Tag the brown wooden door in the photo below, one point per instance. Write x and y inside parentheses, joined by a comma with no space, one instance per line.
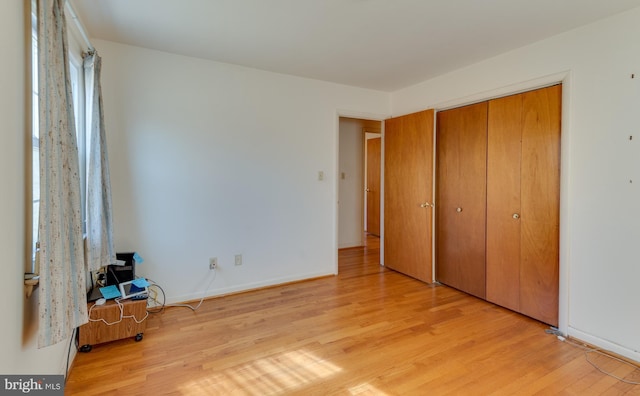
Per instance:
(523,176)
(539,274)
(503,201)
(408,191)
(373,186)
(461,198)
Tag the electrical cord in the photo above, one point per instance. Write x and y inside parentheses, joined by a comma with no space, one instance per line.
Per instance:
(163,305)
(122,315)
(589,350)
(153,297)
(215,272)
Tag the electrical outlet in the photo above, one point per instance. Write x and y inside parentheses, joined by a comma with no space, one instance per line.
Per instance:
(213,263)
(238,259)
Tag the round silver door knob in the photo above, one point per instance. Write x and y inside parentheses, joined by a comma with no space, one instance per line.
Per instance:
(458,210)
(516,216)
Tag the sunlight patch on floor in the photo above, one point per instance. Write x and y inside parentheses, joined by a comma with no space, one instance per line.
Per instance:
(272,375)
(366,389)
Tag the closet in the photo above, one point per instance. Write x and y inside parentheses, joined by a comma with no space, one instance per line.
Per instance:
(498,182)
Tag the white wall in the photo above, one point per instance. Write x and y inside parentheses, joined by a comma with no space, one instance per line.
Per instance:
(600,215)
(351,188)
(18,333)
(213,160)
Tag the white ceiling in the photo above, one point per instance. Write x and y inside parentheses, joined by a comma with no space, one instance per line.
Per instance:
(379,44)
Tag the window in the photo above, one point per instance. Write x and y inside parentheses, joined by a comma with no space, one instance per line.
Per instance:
(76,73)
(76,70)
(35,140)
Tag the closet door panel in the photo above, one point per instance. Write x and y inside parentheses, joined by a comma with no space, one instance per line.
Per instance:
(540,204)
(408,185)
(461,198)
(503,201)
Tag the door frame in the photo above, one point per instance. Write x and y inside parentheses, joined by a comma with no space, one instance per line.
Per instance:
(362,116)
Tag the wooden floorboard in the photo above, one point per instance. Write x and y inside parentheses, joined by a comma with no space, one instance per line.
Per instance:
(367,331)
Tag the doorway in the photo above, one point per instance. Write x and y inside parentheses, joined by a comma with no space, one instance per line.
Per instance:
(352,180)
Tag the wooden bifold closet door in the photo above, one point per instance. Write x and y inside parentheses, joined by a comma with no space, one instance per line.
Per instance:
(498,200)
(461,198)
(523,202)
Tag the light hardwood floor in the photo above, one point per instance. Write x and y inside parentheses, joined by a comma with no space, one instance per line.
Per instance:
(367,331)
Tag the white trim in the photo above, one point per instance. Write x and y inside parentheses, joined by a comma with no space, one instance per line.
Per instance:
(604,344)
(512,89)
(434,207)
(362,116)
(74,17)
(196,295)
(565,208)
(382,151)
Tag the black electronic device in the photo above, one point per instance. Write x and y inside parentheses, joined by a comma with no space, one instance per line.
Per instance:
(117,274)
(94,294)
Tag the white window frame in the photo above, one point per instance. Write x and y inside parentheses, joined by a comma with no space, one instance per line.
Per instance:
(34,149)
(76,68)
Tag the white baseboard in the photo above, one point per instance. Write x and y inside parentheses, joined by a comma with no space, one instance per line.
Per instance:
(242,288)
(604,344)
(349,245)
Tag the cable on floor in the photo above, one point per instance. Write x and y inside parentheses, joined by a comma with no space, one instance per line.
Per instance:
(590,350)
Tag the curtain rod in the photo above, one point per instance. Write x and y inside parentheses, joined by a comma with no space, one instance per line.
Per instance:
(78,22)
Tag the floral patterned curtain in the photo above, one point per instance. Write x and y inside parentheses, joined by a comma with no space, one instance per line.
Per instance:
(100,247)
(63,304)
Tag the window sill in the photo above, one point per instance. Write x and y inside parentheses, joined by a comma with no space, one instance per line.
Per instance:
(30,282)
